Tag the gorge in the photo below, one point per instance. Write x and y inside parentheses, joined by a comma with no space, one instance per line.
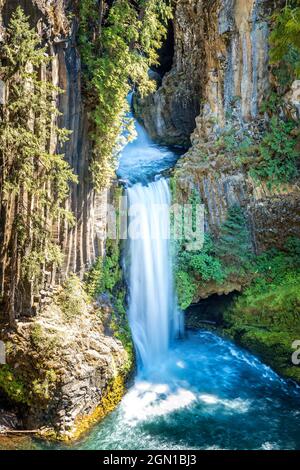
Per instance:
(88,321)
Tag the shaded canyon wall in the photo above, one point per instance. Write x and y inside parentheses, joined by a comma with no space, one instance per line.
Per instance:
(57,25)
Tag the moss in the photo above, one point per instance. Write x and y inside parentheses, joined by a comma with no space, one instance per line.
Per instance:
(11,385)
(43,340)
(42,388)
(106,276)
(72,299)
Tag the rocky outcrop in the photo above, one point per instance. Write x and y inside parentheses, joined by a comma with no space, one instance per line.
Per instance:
(64,368)
(169,114)
(84,241)
(219,80)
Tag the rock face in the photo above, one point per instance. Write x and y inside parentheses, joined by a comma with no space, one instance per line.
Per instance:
(221,55)
(169,115)
(84,241)
(65,370)
(221,75)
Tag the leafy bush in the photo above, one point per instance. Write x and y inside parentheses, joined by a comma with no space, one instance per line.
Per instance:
(93,279)
(229,253)
(233,245)
(192,267)
(186,287)
(273,299)
(265,318)
(72,299)
(11,385)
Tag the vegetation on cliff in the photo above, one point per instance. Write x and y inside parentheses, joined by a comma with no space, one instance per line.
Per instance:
(221,257)
(266,316)
(106,278)
(285,38)
(118,44)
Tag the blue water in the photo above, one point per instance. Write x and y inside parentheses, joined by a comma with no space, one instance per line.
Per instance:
(206,394)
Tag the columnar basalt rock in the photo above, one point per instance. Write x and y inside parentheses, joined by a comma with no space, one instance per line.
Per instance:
(81,243)
(221,62)
(221,57)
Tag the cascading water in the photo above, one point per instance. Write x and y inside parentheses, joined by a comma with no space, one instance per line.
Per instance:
(152,305)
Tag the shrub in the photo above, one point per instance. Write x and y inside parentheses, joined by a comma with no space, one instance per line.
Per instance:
(11,385)
(72,299)
(285,36)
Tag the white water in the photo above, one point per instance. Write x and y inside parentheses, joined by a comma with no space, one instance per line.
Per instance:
(152,304)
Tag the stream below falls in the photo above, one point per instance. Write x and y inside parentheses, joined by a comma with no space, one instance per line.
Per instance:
(200,392)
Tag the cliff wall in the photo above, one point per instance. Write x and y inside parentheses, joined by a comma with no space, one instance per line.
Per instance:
(220,78)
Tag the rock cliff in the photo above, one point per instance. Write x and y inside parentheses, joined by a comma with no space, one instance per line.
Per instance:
(217,85)
(62,372)
(57,25)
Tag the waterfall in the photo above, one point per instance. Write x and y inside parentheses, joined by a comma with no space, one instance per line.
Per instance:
(152,302)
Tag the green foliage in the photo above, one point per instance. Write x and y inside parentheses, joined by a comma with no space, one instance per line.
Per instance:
(186,288)
(113,283)
(278,153)
(93,279)
(111,272)
(228,254)
(29,167)
(285,37)
(106,277)
(122,48)
(43,340)
(11,385)
(194,267)
(273,156)
(42,388)
(266,317)
(273,299)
